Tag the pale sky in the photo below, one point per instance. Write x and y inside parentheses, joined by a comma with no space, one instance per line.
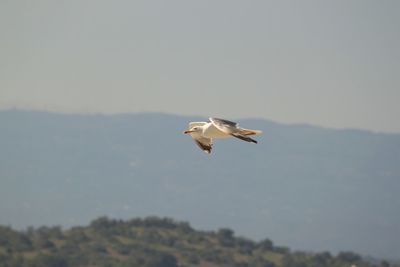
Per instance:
(329,63)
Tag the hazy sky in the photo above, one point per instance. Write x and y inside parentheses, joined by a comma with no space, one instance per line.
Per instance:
(331,63)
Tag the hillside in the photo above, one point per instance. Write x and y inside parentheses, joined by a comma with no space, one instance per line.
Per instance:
(307,187)
(152,242)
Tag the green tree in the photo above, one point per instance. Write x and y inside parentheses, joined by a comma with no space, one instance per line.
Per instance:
(225,237)
(266,244)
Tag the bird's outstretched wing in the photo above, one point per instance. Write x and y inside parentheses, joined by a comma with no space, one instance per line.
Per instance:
(233,129)
(228,127)
(204,143)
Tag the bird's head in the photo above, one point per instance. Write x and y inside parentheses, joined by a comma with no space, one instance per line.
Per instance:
(195,129)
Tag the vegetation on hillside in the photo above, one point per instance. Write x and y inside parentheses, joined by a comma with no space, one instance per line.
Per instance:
(152,242)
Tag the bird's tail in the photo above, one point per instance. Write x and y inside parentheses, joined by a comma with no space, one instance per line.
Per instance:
(250,132)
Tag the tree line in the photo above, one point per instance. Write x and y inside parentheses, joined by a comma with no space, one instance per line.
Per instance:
(154,242)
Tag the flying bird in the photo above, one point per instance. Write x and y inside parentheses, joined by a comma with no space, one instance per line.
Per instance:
(204,132)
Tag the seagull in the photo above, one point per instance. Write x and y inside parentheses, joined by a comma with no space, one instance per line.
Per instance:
(204,132)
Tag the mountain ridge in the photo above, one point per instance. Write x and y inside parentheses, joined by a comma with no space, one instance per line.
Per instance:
(197,117)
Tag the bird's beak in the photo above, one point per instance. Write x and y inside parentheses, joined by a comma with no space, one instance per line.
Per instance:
(187,131)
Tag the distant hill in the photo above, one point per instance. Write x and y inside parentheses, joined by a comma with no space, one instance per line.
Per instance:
(153,242)
(306,187)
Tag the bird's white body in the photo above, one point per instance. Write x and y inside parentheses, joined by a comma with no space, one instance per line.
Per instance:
(203,133)
(208,130)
